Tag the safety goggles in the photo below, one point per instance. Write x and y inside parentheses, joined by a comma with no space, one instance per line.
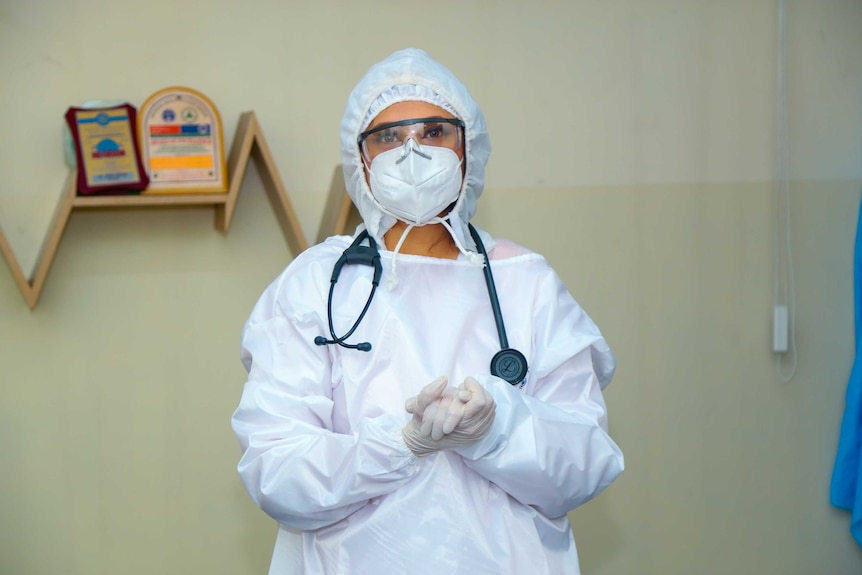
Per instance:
(440,132)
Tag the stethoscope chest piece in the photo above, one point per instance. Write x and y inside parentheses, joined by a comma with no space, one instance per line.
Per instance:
(509,364)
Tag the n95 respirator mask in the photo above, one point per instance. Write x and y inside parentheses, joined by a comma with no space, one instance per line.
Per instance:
(415,184)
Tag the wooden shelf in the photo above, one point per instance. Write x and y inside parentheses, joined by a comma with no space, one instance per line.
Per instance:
(249,142)
(148,201)
(340,216)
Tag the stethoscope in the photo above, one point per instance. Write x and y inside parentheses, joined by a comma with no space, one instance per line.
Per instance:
(508,364)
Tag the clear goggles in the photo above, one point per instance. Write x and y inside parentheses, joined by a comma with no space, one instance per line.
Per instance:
(439,132)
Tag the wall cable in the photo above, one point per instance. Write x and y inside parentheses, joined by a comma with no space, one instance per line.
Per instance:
(784,291)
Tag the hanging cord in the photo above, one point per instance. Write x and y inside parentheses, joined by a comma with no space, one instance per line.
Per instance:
(784,291)
(392,282)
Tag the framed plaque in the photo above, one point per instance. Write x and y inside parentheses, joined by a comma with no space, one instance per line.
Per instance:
(106,150)
(181,143)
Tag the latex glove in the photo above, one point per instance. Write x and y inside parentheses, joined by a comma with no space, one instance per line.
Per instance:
(452,418)
(440,416)
(430,393)
(418,405)
(473,412)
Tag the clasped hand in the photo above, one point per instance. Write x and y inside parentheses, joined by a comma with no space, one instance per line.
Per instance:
(446,417)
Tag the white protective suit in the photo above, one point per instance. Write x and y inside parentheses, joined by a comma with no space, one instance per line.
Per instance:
(320,426)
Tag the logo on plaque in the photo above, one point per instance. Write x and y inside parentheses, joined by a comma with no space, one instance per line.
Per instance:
(182,145)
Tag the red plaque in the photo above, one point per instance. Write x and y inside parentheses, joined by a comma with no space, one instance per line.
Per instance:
(106,150)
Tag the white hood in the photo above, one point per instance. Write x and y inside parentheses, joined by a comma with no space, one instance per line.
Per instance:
(405,67)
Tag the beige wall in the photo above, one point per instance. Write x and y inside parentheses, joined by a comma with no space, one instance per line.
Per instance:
(633,146)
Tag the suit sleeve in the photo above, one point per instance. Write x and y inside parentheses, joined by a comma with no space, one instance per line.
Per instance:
(549,445)
(295,465)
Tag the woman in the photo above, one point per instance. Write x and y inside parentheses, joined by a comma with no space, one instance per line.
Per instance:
(372,427)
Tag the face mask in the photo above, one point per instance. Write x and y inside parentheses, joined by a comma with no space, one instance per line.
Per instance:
(416,183)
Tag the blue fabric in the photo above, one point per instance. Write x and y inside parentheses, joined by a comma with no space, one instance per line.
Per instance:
(846,489)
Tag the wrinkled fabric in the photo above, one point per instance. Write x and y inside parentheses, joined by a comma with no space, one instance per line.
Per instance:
(846,487)
(413,67)
(320,426)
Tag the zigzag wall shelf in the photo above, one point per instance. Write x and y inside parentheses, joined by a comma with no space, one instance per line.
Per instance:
(248,142)
(340,216)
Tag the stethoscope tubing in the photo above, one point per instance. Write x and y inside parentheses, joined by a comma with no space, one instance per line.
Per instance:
(492,289)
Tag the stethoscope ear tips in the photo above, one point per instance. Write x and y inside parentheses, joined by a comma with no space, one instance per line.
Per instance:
(364,346)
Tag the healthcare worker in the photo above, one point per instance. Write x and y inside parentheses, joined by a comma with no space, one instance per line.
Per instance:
(372,428)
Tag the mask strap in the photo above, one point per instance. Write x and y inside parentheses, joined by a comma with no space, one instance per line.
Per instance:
(475,258)
(392,281)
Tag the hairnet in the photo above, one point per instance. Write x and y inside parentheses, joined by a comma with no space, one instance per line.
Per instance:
(406,70)
(403,93)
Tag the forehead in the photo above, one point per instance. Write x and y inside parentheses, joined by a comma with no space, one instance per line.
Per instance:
(407,110)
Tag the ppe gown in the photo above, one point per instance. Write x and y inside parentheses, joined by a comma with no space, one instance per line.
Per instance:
(320,426)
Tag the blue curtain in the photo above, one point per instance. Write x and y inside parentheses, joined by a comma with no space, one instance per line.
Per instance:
(846,489)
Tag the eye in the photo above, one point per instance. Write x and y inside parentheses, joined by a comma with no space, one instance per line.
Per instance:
(385,137)
(434,131)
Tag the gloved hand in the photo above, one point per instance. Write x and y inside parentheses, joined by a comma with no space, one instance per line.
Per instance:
(445,418)
(429,394)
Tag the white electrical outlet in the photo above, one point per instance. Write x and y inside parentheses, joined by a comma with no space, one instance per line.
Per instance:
(780,328)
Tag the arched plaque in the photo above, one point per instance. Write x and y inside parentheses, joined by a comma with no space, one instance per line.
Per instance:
(182,143)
